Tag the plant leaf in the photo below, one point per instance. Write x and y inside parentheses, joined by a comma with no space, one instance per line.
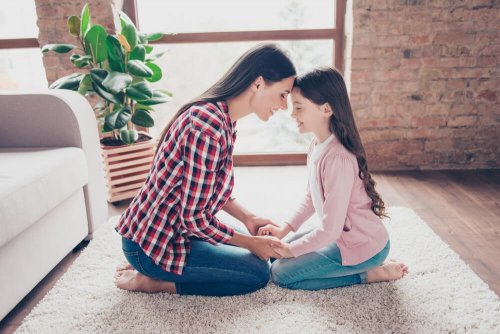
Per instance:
(123,42)
(80,61)
(142,118)
(158,97)
(106,95)
(138,53)
(139,91)
(148,48)
(98,75)
(115,54)
(95,43)
(129,136)
(118,119)
(85,84)
(157,73)
(115,82)
(143,107)
(138,68)
(71,82)
(74,25)
(85,20)
(130,33)
(153,37)
(59,48)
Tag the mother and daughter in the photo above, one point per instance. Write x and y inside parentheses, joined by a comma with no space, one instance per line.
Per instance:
(174,242)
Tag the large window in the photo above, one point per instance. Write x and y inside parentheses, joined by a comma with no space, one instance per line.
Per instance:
(208,36)
(21,66)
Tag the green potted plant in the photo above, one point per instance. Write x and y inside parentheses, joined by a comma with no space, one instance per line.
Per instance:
(117,71)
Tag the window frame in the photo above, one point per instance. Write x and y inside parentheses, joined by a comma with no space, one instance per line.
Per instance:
(335,34)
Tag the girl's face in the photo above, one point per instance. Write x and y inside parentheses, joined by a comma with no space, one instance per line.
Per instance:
(310,117)
(270,97)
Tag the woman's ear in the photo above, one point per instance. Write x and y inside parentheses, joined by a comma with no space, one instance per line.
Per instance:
(257,83)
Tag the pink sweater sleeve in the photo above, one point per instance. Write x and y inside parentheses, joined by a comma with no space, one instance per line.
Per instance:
(303,212)
(338,179)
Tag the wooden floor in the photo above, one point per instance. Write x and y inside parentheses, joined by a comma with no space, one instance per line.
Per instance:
(462,207)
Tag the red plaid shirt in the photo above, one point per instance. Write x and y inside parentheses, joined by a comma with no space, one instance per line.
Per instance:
(189,182)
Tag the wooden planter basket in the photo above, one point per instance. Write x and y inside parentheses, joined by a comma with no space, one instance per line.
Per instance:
(126,168)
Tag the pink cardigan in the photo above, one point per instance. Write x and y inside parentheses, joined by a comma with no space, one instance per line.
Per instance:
(348,219)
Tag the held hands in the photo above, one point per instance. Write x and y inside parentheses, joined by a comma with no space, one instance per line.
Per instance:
(282,248)
(254,223)
(263,249)
(278,231)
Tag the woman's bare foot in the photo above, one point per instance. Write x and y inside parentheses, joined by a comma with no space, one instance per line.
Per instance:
(132,280)
(389,271)
(124,266)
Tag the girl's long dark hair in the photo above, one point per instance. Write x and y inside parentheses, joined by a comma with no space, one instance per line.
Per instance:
(326,85)
(266,60)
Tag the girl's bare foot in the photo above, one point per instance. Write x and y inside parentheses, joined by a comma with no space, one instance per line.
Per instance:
(132,280)
(389,271)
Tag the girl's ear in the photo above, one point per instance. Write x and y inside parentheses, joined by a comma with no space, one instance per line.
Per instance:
(257,83)
(327,110)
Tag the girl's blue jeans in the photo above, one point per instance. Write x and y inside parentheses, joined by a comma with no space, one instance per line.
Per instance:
(222,270)
(322,269)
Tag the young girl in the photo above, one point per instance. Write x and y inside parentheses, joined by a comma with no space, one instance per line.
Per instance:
(351,244)
(170,235)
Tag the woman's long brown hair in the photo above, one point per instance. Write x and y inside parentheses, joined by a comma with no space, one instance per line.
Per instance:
(266,60)
(326,85)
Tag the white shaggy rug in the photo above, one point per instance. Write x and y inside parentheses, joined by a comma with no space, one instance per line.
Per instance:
(440,295)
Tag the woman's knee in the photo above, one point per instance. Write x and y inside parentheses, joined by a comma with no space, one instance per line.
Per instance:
(261,273)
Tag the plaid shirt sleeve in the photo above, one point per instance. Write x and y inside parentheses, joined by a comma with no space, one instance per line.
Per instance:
(201,157)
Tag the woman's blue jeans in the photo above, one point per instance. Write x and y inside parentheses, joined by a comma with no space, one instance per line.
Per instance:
(221,270)
(322,269)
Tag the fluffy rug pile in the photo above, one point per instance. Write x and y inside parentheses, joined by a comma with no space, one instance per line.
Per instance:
(441,293)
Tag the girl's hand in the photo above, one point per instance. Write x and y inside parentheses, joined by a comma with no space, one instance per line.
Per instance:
(276,231)
(254,223)
(282,248)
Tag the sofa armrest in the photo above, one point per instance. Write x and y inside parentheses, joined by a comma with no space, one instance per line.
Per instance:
(57,118)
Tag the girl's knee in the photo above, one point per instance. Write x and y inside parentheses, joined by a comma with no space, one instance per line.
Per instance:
(280,275)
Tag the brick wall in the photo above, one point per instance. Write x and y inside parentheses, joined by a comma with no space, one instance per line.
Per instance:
(52,23)
(425,82)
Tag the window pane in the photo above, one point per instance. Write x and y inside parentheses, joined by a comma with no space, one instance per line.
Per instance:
(189,69)
(22,69)
(230,15)
(18,19)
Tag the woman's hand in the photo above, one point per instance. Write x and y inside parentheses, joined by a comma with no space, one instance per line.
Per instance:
(254,223)
(282,248)
(278,231)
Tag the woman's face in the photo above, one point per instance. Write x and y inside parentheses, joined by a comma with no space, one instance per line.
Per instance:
(270,97)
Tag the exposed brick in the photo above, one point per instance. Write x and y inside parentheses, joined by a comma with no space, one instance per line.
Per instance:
(461,121)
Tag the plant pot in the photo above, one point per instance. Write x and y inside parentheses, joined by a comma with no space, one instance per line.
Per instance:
(127,167)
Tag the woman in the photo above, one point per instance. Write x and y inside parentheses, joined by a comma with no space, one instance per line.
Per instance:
(170,235)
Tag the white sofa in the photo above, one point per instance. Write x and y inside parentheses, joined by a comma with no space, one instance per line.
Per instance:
(52,193)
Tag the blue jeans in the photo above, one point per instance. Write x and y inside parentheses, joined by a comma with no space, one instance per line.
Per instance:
(322,269)
(221,270)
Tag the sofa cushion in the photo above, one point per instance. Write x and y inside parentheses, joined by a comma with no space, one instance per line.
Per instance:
(33,181)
